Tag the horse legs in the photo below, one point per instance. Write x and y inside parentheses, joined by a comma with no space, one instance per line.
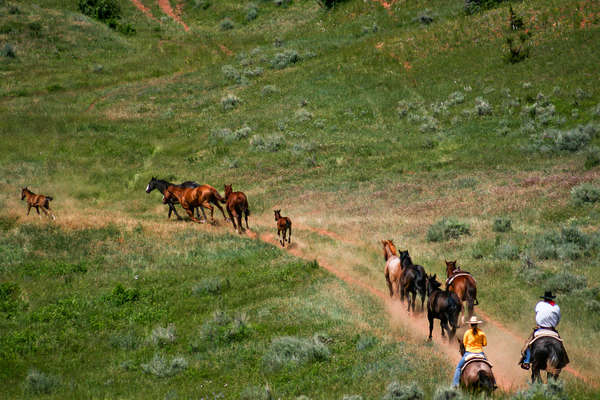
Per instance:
(535,374)
(239,220)
(389,283)
(203,213)
(395,289)
(28,208)
(216,203)
(290,235)
(246,212)
(190,212)
(51,214)
(470,305)
(407,300)
(172,209)
(430,318)
(281,242)
(414,299)
(38,211)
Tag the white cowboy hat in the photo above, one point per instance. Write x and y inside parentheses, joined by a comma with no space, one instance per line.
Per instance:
(474,320)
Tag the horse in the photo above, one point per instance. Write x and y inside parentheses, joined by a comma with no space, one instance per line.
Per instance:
(284,224)
(162,186)
(476,375)
(443,305)
(463,284)
(549,354)
(421,276)
(190,198)
(37,201)
(236,204)
(393,268)
(408,287)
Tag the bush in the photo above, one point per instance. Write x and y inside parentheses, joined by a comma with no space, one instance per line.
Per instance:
(456,98)
(292,350)
(256,393)
(211,286)
(502,224)
(446,229)
(474,6)
(231,74)
(120,296)
(482,107)
(395,391)
(328,3)
(230,101)
(571,140)
(8,51)
(163,336)
(553,390)
(272,143)
(251,12)
(285,59)
(592,158)
(161,367)
(303,115)
(37,382)
(507,251)
(124,341)
(35,29)
(448,394)
(226,24)
(585,193)
(223,329)
(269,90)
(203,4)
(104,10)
(565,282)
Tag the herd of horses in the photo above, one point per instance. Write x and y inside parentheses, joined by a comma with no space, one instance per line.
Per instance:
(404,278)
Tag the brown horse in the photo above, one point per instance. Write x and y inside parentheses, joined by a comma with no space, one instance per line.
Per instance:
(284,224)
(237,204)
(190,198)
(463,284)
(393,268)
(37,201)
(442,305)
(476,375)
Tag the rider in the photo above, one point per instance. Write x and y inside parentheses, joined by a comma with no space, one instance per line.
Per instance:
(474,341)
(547,316)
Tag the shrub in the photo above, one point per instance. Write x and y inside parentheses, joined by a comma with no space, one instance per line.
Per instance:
(303,115)
(230,101)
(565,282)
(104,10)
(256,393)
(446,229)
(592,158)
(37,382)
(161,367)
(474,6)
(251,12)
(425,18)
(211,286)
(395,391)
(571,140)
(585,193)
(35,29)
(223,329)
(269,90)
(292,350)
(482,107)
(226,24)
(125,341)
(285,59)
(529,272)
(10,299)
(163,336)
(271,143)
(444,393)
(230,73)
(507,251)
(251,72)
(8,51)
(502,224)
(120,296)
(553,390)
(456,98)
(203,4)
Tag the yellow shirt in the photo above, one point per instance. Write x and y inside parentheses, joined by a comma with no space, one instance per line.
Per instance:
(474,343)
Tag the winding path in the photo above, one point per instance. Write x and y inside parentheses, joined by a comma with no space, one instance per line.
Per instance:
(165,6)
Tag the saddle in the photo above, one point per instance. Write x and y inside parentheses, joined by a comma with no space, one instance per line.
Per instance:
(454,276)
(475,358)
(540,333)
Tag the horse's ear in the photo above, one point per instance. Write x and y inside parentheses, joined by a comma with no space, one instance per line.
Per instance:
(434,276)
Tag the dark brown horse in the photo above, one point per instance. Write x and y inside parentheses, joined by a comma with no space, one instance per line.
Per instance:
(284,224)
(237,204)
(442,305)
(190,198)
(463,284)
(37,201)
(547,353)
(420,279)
(476,375)
(393,268)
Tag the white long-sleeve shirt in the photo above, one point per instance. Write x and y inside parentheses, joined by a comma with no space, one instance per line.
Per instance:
(547,315)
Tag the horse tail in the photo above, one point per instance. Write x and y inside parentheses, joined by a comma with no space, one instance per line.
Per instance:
(485,381)
(454,308)
(49,198)
(553,360)
(472,293)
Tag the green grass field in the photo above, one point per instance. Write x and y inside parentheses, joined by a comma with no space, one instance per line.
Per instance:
(362,121)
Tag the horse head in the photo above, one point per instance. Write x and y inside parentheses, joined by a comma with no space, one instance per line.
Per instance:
(432,283)
(405,256)
(277,214)
(23,192)
(228,191)
(151,185)
(450,267)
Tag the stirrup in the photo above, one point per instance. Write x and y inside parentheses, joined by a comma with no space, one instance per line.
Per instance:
(525,366)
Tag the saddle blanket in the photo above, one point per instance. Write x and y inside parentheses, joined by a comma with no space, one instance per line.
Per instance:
(544,333)
(475,357)
(453,277)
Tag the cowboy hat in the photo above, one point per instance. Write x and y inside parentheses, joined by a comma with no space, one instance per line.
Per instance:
(474,320)
(547,295)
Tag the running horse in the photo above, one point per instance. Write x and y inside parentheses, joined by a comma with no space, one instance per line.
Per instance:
(37,201)
(443,305)
(420,280)
(463,284)
(162,186)
(284,225)
(190,198)
(476,374)
(237,204)
(393,268)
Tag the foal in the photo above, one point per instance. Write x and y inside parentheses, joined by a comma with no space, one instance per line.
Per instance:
(237,204)
(37,201)
(284,224)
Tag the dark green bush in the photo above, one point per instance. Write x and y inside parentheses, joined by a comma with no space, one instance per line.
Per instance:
(8,51)
(103,10)
(447,229)
(223,329)
(120,295)
(592,158)
(329,3)
(553,390)
(474,6)
(585,193)
(38,382)
(565,282)
(502,224)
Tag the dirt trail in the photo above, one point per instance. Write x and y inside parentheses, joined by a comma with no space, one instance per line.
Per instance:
(504,345)
(165,6)
(143,8)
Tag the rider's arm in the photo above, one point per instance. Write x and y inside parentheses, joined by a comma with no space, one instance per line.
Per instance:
(483,340)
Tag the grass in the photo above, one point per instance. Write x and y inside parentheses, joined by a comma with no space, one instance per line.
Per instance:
(363,121)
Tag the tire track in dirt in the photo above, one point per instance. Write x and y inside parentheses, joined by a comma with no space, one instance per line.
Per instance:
(504,345)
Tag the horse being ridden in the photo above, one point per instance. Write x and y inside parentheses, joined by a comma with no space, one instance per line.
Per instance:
(420,280)
(162,186)
(393,268)
(284,224)
(200,196)
(463,284)
(474,372)
(237,204)
(37,201)
(442,305)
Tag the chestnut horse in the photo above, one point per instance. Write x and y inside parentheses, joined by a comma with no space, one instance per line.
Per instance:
(237,204)
(162,185)
(190,198)
(442,305)
(463,284)
(476,375)
(284,224)
(37,201)
(393,268)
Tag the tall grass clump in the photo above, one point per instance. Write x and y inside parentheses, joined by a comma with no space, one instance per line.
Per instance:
(103,10)
(448,393)
(284,59)
(163,336)
(592,158)
(231,73)
(446,229)
(161,367)
(585,193)
(290,350)
(37,382)
(120,295)
(502,224)
(8,51)
(226,24)
(224,329)
(395,391)
(269,90)
(256,393)
(553,390)
(230,101)
(271,144)
(507,251)
(211,286)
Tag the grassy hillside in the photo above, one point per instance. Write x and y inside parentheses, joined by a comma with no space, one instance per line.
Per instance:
(365,121)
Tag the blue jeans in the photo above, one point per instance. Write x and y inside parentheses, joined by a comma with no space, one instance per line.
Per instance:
(456,379)
(527,356)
